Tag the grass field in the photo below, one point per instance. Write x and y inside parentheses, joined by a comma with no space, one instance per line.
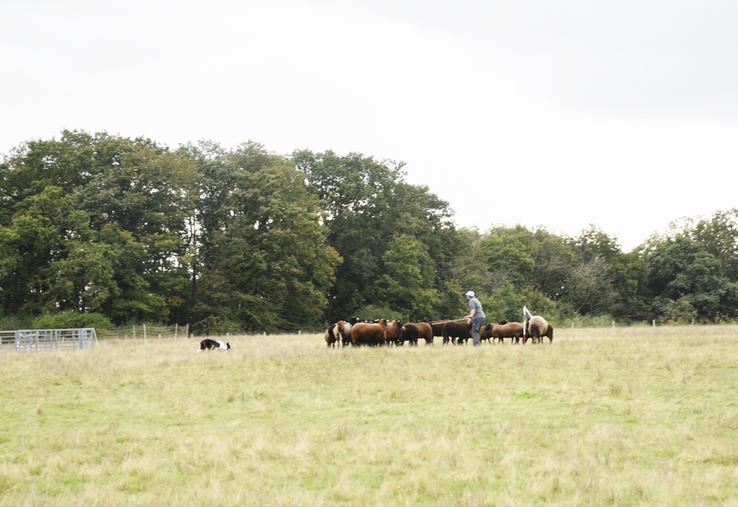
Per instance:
(631,416)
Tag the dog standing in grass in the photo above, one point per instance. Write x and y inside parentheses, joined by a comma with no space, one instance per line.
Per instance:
(208,344)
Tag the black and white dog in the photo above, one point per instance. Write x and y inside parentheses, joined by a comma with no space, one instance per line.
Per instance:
(208,344)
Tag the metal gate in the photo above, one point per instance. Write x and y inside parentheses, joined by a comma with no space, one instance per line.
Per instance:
(33,340)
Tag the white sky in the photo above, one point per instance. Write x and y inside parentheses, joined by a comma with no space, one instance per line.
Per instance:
(619,113)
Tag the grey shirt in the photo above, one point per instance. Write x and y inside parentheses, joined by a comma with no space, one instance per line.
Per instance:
(479,313)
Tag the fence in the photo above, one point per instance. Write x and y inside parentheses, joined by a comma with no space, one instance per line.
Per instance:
(144,332)
(33,340)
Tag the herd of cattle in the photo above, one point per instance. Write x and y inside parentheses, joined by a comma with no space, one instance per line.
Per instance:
(356,332)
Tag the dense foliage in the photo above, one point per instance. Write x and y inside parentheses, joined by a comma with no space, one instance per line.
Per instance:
(244,239)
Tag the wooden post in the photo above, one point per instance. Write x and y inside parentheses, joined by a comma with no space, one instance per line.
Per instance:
(134,332)
(653,322)
(145,337)
(175,330)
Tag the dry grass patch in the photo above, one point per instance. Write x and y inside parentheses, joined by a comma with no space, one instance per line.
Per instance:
(631,416)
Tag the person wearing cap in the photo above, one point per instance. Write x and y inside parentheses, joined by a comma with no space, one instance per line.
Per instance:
(476,316)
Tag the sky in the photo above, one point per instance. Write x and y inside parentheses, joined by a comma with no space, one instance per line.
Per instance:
(617,113)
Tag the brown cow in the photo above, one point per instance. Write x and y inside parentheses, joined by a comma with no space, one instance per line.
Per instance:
(425,331)
(339,333)
(343,331)
(411,332)
(454,330)
(330,337)
(437,327)
(549,334)
(485,333)
(394,332)
(512,330)
(369,334)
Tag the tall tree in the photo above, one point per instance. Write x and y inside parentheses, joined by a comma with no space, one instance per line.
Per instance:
(368,205)
(263,258)
(719,236)
(107,214)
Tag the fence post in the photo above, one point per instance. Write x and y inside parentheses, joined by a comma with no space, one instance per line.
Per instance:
(134,332)
(17,341)
(653,322)
(145,337)
(175,330)
(187,330)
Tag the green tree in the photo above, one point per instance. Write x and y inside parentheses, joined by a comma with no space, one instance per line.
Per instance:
(604,280)
(367,205)
(719,237)
(407,279)
(509,255)
(95,222)
(681,269)
(554,261)
(263,262)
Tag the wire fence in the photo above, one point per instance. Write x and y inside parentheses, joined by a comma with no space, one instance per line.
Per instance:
(144,332)
(35,340)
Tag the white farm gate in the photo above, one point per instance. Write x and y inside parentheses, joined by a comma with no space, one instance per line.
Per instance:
(34,340)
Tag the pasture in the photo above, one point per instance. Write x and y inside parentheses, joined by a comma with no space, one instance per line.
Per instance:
(627,416)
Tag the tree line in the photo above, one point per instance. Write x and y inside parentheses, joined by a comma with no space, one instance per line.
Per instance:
(114,230)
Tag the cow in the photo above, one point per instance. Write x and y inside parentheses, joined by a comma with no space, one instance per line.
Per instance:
(412,332)
(425,331)
(343,330)
(512,330)
(549,334)
(454,330)
(394,334)
(537,329)
(340,333)
(437,327)
(485,333)
(363,333)
(330,336)
(409,333)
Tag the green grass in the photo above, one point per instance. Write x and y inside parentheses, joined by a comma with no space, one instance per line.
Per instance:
(604,416)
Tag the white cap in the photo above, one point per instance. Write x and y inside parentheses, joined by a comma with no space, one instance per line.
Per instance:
(469,293)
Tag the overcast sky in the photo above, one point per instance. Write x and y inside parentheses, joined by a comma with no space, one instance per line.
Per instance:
(622,114)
